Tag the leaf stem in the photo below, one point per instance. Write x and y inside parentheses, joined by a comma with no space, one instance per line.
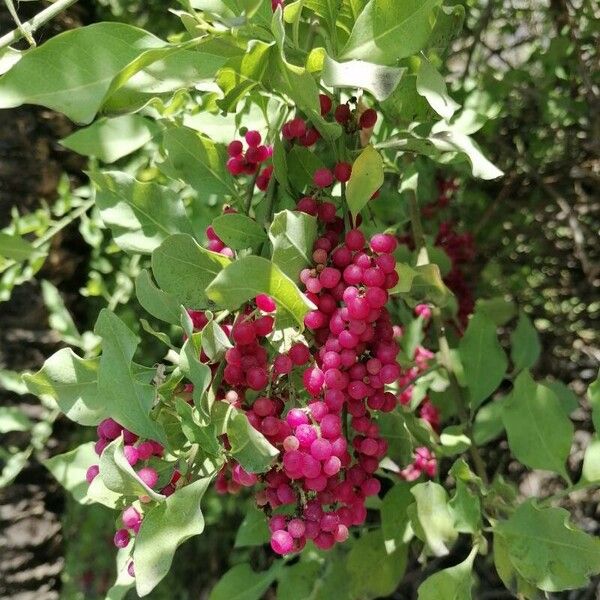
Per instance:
(27,28)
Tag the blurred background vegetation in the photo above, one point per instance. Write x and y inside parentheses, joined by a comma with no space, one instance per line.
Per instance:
(528,70)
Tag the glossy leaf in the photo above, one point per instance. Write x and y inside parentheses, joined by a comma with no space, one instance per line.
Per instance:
(539,432)
(366,179)
(482,357)
(525,344)
(292,236)
(379,80)
(163,529)
(546,550)
(239,231)
(184,269)
(198,161)
(72,72)
(247,277)
(432,86)
(140,215)
(111,139)
(388,30)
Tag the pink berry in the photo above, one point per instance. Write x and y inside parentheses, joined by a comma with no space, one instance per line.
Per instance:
(92,473)
(368,119)
(282,542)
(253,138)
(121,538)
(149,476)
(342,171)
(131,518)
(326,104)
(299,353)
(355,240)
(235,148)
(323,178)
(383,243)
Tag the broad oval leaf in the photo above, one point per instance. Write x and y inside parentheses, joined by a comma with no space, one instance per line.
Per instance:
(431,85)
(454,583)
(379,80)
(252,275)
(387,30)
(483,359)
(72,72)
(539,431)
(198,161)
(366,179)
(239,231)
(292,235)
(525,344)
(111,139)
(546,550)
(184,269)
(242,583)
(140,215)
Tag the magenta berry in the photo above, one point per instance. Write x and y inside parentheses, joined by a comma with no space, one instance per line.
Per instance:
(323,178)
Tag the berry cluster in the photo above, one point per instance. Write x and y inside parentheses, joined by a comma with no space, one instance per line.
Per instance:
(247,162)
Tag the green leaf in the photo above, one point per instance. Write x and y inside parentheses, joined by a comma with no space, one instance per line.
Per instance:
(448,24)
(13,419)
(241,74)
(247,277)
(159,304)
(242,583)
(59,317)
(198,161)
(125,398)
(239,231)
(15,247)
(488,424)
(302,163)
(280,168)
(254,530)
(525,344)
(214,341)
(539,432)
(292,235)
(124,581)
(594,399)
(163,530)
(482,357)
(300,581)
(452,140)
(591,462)
(428,285)
(454,583)
(119,476)
(197,372)
(388,30)
(73,71)
(405,106)
(466,507)
(546,550)
(431,85)
(406,275)
(499,310)
(72,382)
(394,518)
(432,518)
(69,470)
(184,269)
(567,398)
(203,435)
(111,139)
(248,446)
(379,80)
(454,441)
(140,215)
(373,572)
(366,179)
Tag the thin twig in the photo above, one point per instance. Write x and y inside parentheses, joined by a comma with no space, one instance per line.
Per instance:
(36,22)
